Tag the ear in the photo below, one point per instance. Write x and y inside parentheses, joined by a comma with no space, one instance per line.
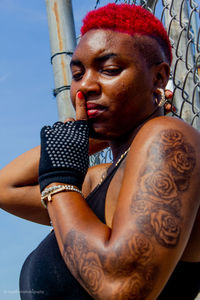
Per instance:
(161,75)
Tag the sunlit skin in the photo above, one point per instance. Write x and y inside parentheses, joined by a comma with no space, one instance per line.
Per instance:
(116,82)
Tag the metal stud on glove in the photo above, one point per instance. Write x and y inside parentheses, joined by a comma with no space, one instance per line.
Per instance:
(64,153)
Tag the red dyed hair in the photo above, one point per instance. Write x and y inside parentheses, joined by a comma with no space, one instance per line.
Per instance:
(130,19)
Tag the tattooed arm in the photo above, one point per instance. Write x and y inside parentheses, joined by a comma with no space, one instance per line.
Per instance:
(152,223)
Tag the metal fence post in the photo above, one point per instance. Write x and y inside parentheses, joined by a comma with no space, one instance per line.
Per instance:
(63,42)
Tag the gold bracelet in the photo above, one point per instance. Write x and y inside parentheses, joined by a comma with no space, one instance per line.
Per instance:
(46,195)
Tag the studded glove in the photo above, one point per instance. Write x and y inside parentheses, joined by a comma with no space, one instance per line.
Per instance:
(64,153)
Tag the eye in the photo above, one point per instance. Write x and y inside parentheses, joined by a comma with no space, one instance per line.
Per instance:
(77,75)
(77,71)
(111,71)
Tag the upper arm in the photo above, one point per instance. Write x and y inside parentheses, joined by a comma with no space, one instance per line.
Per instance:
(156,208)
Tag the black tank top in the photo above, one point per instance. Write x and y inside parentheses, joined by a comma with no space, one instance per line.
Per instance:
(44,275)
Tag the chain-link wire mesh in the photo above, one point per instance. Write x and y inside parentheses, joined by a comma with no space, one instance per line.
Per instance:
(181,20)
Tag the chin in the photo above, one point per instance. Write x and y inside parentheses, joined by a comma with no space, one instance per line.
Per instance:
(102,132)
(97,135)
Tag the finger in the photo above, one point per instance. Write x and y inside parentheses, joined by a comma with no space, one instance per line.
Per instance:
(81,112)
(168,108)
(68,120)
(168,94)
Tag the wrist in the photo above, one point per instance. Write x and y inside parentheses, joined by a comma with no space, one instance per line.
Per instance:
(54,184)
(47,194)
(71,177)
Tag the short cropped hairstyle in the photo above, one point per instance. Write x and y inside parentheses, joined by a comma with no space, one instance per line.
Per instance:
(130,19)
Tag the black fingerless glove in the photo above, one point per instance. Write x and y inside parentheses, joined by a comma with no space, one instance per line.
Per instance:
(64,153)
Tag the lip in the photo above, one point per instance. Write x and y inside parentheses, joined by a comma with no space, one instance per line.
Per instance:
(94,110)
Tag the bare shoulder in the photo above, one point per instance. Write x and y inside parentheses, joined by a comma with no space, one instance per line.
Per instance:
(171,124)
(169,143)
(170,138)
(93,177)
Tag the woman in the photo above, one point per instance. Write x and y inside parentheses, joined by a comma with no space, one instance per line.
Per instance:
(127,230)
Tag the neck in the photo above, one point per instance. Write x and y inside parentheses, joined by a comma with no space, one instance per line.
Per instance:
(122,143)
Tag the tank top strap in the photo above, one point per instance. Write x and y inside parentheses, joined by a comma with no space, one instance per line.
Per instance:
(96,199)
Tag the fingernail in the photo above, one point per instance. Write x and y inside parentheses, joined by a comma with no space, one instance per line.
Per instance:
(173,108)
(80,95)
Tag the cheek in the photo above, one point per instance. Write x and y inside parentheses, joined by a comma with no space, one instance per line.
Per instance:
(118,88)
(124,92)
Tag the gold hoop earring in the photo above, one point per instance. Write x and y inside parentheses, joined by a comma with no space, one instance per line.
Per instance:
(162,100)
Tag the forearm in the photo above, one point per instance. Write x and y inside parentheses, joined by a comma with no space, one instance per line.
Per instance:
(22,171)
(24,202)
(83,241)
(19,189)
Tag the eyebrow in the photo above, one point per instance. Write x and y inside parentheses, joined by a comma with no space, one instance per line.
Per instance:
(106,56)
(102,58)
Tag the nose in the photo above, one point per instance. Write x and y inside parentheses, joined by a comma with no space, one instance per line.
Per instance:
(89,84)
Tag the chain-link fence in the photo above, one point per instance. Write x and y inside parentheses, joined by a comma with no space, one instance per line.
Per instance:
(181,19)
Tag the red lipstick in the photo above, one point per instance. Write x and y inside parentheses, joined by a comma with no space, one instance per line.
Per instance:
(94,110)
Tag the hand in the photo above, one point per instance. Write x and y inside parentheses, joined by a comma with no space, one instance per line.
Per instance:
(169,107)
(64,150)
(81,114)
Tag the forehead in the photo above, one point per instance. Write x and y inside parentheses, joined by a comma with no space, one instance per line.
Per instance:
(97,42)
